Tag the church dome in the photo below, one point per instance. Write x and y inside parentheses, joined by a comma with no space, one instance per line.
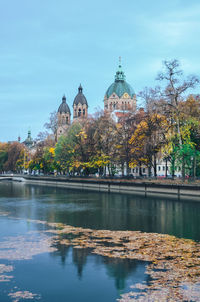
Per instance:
(80,98)
(120,86)
(64,108)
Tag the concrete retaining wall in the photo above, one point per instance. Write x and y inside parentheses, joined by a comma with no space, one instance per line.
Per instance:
(145,189)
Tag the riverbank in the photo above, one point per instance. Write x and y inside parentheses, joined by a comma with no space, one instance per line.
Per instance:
(166,188)
(135,187)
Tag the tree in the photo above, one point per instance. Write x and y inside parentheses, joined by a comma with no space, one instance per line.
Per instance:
(52,124)
(3,155)
(173,93)
(65,148)
(14,151)
(147,140)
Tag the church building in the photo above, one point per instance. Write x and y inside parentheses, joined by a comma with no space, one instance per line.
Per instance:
(120,96)
(80,111)
(119,99)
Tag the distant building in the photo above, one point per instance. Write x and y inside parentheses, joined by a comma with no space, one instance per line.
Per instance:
(64,117)
(80,105)
(80,111)
(120,96)
(29,142)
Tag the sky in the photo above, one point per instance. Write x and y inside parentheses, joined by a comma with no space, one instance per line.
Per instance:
(47,48)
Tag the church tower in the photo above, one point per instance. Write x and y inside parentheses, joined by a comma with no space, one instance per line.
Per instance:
(120,96)
(80,105)
(64,117)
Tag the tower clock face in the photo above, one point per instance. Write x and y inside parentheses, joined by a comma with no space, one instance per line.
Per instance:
(126,96)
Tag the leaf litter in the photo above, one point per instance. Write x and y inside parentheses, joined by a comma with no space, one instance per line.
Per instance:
(173,263)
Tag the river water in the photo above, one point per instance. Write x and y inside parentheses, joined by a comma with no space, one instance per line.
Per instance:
(30,268)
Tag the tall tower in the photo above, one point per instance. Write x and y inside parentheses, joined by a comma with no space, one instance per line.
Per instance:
(80,105)
(64,117)
(120,96)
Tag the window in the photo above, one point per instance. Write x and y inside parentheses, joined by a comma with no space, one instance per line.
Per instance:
(143,170)
(136,170)
(83,111)
(67,119)
(79,112)
(133,170)
(163,168)
(158,168)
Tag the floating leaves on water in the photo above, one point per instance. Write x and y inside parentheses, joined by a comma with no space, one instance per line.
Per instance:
(4,213)
(5,269)
(174,263)
(19,295)
(25,247)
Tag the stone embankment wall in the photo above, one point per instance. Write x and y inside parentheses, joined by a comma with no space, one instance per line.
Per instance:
(136,188)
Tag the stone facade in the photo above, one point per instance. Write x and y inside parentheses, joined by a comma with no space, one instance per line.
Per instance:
(63,117)
(80,105)
(120,96)
(124,103)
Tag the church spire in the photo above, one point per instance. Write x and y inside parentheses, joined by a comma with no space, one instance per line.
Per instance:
(120,76)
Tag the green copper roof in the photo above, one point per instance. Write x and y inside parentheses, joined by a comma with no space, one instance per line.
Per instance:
(120,86)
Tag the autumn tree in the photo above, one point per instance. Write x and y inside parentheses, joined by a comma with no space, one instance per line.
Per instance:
(173,93)
(14,152)
(3,155)
(148,139)
(52,124)
(65,148)
(105,143)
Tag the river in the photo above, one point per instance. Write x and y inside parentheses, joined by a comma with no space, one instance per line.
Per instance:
(32,267)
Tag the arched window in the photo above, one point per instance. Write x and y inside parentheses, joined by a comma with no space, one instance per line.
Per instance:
(83,111)
(79,112)
(67,119)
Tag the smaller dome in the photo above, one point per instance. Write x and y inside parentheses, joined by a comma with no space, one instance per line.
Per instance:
(64,108)
(29,141)
(80,98)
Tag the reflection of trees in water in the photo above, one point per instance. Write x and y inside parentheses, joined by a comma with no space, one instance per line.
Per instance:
(99,210)
(62,252)
(80,259)
(118,269)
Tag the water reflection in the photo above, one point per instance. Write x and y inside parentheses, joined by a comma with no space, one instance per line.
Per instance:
(88,210)
(102,210)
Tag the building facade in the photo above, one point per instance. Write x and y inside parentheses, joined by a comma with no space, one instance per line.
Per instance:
(80,111)
(120,96)
(63,117)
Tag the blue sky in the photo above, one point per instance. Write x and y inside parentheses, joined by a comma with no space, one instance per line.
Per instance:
(47,48)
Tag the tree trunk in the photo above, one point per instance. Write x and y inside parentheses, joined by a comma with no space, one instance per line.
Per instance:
(149,170)
(140,169)
(183,169)
(166,168)
(155,165)
(122,168)
(127,167)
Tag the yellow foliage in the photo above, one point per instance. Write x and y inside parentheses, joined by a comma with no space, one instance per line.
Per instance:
(52,151)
